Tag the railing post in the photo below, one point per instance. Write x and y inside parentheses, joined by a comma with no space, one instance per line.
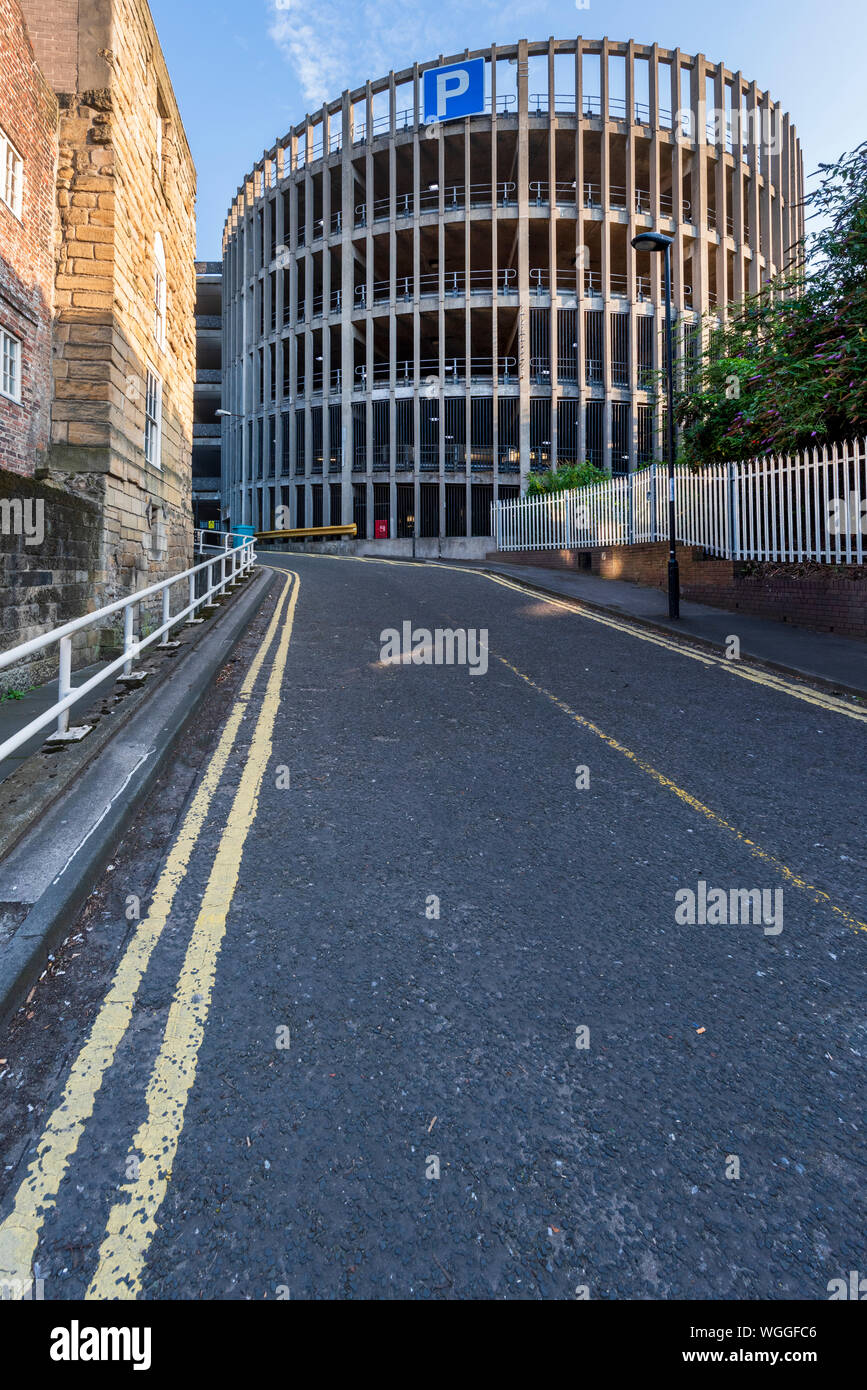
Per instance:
(193,604)
(653,535)
(166,615)
(733,536)
(127,637)
(64,681)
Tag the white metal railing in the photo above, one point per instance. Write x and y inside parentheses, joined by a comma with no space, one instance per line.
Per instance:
(231,561)
(810,506)
(567,283)
(454,369)
(454,196)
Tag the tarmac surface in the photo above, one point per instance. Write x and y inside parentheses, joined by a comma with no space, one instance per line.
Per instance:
(409,1008)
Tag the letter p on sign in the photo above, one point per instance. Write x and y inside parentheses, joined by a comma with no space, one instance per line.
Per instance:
(458,89)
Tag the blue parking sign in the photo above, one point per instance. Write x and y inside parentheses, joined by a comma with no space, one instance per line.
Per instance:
(458,89)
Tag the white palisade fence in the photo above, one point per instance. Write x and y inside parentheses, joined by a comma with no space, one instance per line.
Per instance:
(807,506)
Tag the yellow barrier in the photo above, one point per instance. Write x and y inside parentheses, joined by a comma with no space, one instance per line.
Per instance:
(307,532)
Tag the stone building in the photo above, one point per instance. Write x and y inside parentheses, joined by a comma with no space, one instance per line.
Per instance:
(124,288)
(49,536)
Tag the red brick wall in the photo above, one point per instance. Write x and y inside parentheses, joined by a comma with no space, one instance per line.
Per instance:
(829,598)
(53,29)
(28,115)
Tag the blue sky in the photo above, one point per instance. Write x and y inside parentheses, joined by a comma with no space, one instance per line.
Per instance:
(243,73)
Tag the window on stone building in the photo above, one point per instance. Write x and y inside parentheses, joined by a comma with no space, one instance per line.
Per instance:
(159,291)
(10,365)
(11,174)
(161,133)
(153,441)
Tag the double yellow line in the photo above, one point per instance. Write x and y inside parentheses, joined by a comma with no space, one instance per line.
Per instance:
(784,685)
(774,682)
(790,876)
(132,1222)
(758,676)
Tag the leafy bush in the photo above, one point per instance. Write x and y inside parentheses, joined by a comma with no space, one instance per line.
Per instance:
(789,368)
(570,475)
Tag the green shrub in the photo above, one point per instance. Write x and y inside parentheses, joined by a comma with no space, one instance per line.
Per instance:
(571,475)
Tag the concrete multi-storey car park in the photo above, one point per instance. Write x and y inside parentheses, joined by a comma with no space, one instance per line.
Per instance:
(206,394)
(418,316)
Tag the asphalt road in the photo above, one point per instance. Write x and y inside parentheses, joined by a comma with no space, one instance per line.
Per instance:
(419,1019)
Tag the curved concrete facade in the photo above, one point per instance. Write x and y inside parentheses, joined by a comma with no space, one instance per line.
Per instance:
(417,316)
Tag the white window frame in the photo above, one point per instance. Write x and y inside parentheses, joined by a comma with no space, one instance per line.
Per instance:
(10,352)
(159,291)
(153,431)
(11,175)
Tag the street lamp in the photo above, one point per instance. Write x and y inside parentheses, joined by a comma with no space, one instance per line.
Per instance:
(223,414)
(657,241)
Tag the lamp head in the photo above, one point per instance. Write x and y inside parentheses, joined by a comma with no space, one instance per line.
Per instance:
(652,241)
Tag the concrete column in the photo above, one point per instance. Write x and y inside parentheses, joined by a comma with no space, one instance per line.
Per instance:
(723,162)
(523,265)
(755,196)
(416,271)
(495,326)
(699,185)
(680,142)
(580,242)
(737,208)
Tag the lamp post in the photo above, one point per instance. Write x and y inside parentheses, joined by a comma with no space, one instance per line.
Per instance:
(227,414)
(657,241)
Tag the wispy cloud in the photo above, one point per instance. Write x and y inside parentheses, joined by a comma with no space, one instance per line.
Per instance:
(331,45)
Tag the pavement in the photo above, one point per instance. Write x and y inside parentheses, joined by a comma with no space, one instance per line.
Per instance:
(390,990)
(62,812)
(826,656)
(15,714)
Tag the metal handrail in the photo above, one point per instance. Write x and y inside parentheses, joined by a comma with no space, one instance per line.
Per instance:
(504,103)
(540,278)
(454,369)
(242,558)
(538,102)
(540,191)
(454,196)
(455,282)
